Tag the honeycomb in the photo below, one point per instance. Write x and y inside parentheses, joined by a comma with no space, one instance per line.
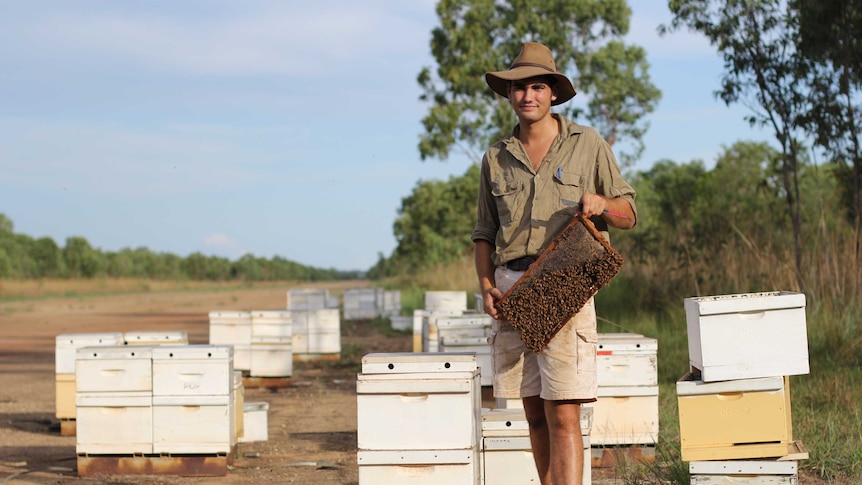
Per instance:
(565,276)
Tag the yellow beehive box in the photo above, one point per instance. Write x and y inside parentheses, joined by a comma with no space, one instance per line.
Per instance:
(64,404)
(738,419)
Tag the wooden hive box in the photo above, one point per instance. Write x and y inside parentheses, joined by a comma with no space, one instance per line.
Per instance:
(564,277)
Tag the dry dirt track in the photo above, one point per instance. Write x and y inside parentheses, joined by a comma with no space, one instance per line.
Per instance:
(311,422)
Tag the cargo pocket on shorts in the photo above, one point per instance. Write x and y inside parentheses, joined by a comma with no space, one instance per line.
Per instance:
(588,340)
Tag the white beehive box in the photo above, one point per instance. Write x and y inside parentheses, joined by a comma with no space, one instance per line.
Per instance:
(510,422)
(477,345)
(114,423)
(413,362)
(310,299)
(271,323)
(391,303)
(509,461)
(255,422)
(464,325)
(626,415)
(420,320)
(114,369)
(626,360)
(316,331)
(748,335)
(419,467)
(192,424)
(732,472)
(192,370)
(242,357)
(401,323)
(418,411)
(230,328)
(272,357)
(67,344)
(445,301)
(156,337)
(738,419)
(362,303)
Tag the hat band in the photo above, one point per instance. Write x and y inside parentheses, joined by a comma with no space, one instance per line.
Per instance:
(532,64)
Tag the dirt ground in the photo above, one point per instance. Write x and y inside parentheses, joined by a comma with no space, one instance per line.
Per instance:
(311,423)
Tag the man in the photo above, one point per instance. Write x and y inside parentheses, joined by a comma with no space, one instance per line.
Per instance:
(533,182)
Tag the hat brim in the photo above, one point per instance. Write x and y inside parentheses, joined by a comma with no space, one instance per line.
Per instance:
(499,80)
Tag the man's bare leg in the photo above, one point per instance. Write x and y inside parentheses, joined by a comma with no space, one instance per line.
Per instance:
(534,409)
(566,443)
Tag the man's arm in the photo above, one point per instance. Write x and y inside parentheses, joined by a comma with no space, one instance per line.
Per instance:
(485,271)
(619,215)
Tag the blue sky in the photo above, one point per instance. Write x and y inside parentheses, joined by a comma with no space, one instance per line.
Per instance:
(275,128)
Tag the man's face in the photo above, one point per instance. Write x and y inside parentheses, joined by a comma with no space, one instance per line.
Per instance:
(531,98)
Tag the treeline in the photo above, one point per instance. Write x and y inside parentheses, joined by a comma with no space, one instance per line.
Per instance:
(25,257)
(700,230)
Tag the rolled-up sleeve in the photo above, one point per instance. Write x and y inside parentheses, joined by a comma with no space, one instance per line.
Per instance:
(610,179)
(487,221)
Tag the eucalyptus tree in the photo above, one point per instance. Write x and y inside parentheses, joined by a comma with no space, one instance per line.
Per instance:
(477,36)
(829,40)
(764,72)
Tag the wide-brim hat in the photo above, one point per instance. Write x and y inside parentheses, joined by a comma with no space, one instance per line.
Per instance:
(534,60)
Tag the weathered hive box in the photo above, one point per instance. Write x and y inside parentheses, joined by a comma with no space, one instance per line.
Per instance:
(198,424)
(238,397)
(156,337)
(193,370)
(419,467)
(509,461)
(66,346)
(748,335)
(271,323)
(401,323)
(271,357)
(316,331)
(391,304)
(310,299)
(110,369)
(409,401)
(626,360)
(230,328)
(465,325)
(756,472)
(437,301)
(114,422)
(512,422)
(739,419)
(362,303)
(477,345)
(625,415)
(420,321)
(256,422)
(64,396)
(419,411)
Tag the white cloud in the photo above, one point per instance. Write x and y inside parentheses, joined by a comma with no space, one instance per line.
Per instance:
(220,241)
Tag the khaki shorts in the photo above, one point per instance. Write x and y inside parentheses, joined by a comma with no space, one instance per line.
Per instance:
(565,369)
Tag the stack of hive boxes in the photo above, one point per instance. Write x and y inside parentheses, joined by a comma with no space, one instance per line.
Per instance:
(66,346)
(507,457)
(370,303)
(437,304)
(134,400)
(734,406)
(626,412)
(466,333)
(419,419)
(316,333)
(310,299)
(262,340)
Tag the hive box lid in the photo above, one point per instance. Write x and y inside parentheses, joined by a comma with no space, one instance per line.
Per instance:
(410,362)
(192,352)
(417,382)
(743,467)
(626,344)
(691,385)
(743,302)
(229,317)
(114,352)
(463,321)
(166,336)
(75,340)
(465,341)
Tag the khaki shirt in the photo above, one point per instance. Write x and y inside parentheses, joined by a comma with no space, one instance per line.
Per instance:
(521,211)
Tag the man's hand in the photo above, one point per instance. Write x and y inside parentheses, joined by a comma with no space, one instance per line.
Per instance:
(489,298)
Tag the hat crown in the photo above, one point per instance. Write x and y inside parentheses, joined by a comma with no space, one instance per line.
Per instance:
(534,54)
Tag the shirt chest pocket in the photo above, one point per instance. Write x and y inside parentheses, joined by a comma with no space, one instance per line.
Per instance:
(507,195)
(570,185)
